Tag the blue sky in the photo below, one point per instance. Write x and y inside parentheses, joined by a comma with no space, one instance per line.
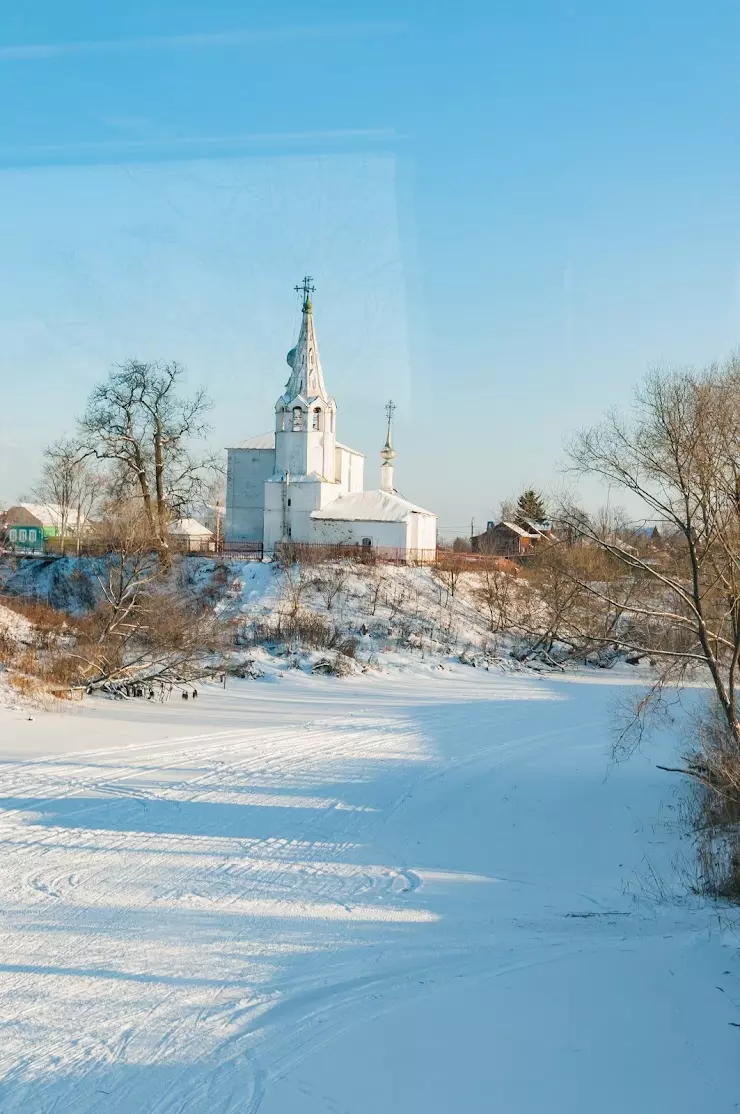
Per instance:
(511,210)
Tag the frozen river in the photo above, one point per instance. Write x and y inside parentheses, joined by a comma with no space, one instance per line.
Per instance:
(414,895)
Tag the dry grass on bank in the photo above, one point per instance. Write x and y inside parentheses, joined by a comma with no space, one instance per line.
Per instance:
(715,766)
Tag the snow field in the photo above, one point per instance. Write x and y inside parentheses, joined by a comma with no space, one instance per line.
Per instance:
(406,893)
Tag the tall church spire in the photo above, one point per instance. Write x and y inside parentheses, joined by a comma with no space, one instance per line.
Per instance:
(306,376)
(388,453)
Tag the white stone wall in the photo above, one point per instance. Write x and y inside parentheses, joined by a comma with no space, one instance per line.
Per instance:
(422,532)
(247,470)
(350,470)
(418,534)
(332,531)
(307,451)
(290,506)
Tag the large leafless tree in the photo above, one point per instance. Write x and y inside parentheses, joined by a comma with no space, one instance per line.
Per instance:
(678,453)
(140,422)
(69,484)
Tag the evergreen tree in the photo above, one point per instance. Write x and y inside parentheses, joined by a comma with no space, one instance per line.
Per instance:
(530,507)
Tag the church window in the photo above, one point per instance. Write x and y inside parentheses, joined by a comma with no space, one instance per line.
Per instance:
(316,419)
(289,502)
(297,419)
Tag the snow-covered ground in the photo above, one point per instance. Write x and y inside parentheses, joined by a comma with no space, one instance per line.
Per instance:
(404,893)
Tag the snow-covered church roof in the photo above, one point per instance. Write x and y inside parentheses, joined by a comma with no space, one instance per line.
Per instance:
(259,441)
(267,441)
(370,506)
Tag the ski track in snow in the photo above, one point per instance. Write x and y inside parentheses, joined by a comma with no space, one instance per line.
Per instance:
(188,922)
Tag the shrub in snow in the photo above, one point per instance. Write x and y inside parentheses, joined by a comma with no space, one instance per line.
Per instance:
(339,665)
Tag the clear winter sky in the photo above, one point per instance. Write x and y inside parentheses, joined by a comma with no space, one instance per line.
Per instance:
(510,209)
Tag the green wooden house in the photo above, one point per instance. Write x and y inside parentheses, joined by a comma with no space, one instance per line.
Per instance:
(21,531)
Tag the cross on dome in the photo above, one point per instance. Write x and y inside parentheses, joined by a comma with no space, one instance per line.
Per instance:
(306,288)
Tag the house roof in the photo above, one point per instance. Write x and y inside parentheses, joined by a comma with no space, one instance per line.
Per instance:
(515,529)
(190,528)
(538,527)
(370,506)
(20,516)
(51,514)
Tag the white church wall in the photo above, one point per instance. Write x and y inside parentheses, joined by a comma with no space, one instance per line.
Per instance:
(290,452)
(356,472)
(288,508)
(333,531)
(321,446)
(306,451)
(422,532)
(247,470)
(350,470)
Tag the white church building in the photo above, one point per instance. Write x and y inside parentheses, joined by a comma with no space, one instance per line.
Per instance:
(300,484)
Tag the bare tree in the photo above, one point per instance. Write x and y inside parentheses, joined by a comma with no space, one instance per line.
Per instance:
(140,422)
(495,592)
(332,581)
(679,453)
(507,510)
(376,586)
(296,581)
(131,566)
(88,492)
(145,629)
(70,486)
(447,571)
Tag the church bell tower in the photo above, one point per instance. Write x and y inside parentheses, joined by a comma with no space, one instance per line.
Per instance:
(305,414)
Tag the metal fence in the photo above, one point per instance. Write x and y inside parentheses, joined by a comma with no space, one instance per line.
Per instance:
(311,553)
(240,551)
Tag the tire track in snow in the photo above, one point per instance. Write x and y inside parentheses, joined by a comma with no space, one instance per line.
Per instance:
(32,780)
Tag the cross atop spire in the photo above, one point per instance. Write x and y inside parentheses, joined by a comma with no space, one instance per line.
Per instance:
(306,288)
(390,408)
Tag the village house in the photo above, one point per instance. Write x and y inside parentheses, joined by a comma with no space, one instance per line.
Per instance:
(191,536)
(510,539)
(52,518)
(21,531)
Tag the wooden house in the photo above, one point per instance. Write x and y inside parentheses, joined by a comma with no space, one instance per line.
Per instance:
(509,539)
(21,531)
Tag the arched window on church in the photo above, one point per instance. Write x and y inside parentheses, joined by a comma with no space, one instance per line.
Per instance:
(316,419)
(297,419)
